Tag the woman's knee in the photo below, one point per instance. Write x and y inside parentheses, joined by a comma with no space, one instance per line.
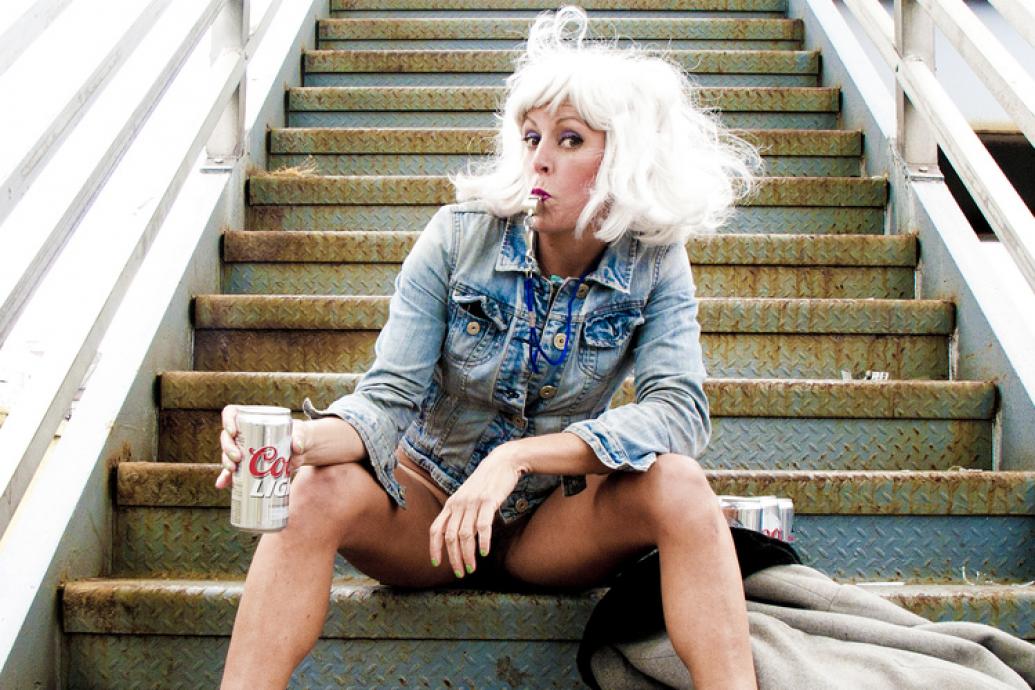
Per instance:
(677,490)
(325,500)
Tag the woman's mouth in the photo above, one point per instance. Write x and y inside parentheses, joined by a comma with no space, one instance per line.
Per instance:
(541,193)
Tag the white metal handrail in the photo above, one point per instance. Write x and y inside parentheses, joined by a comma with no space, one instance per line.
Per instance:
(74,304)
(1002,206)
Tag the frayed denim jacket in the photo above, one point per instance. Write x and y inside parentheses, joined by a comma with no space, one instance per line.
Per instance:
(452,379)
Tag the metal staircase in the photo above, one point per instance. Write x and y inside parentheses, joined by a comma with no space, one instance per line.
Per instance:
(892,480)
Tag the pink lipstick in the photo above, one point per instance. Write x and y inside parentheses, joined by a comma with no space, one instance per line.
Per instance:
(541,193)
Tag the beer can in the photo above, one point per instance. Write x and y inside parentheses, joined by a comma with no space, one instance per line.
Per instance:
(771,524)
(259,498)
(742,511)
(787,518)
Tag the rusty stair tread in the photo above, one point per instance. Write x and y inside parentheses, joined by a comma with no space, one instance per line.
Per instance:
(776,398)
(486,60)
(815,492)
(815,99)
(402,28)
(628,5)
(294,189)
(330,246)
(716,314)
(477,140)
(361,608)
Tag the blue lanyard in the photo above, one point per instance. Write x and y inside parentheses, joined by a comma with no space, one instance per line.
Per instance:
(534,347)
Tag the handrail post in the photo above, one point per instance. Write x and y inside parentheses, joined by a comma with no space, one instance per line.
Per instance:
(914,41)
(230,32)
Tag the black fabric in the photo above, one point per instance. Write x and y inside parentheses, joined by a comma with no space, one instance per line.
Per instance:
(631,609)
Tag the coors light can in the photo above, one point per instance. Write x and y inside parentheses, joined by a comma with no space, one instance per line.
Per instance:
(259,498)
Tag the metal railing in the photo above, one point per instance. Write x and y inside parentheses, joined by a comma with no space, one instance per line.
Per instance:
(927,117)
(76,235)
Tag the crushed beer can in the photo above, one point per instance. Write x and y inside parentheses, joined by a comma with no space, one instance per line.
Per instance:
(262,482)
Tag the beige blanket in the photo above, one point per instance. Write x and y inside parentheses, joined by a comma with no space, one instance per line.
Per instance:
(809,632)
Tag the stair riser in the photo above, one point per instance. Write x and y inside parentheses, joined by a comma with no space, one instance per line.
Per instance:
(330,118)
(443,164)
(727,355)
(736,442)
(497,79)
(457,99)
(195,543)
(730,31)
(122,661)
(735,8)
(483,12)
(711,280)
(859,547)
(500,63)
(517,44)
(751,219)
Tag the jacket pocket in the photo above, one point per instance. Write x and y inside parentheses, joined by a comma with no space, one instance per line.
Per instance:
(477,327)
(605,338)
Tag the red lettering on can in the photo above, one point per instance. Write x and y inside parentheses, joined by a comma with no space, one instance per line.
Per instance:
(265,462)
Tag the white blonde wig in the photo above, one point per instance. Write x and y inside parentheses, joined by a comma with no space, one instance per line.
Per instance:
(669,169)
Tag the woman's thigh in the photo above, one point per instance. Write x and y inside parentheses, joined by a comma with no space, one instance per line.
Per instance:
(578,541)
(384,541)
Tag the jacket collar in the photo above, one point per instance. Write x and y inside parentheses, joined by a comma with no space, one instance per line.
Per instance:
(614,269)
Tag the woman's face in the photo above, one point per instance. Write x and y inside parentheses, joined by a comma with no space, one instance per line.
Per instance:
(563,155)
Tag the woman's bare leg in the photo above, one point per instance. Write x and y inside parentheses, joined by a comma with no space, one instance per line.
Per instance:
(287,590)
(577,541)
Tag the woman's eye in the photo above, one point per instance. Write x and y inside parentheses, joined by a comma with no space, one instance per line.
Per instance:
(570,140)
(531,140)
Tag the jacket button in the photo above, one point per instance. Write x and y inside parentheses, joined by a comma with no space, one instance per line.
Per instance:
(559,340)
(582,291)
(547,392)
(520,422)
(473,328)
(521,505)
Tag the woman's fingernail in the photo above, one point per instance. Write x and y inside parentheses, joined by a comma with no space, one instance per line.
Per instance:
(483,552)
(458,573)
(434,562)
(470,568)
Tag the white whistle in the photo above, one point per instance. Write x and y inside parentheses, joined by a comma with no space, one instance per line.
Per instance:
(530,204)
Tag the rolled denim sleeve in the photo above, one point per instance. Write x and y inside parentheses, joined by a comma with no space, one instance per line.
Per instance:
(670,414)
(389,395)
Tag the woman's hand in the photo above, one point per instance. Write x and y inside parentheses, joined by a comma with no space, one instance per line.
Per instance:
(232,452)
(468,514)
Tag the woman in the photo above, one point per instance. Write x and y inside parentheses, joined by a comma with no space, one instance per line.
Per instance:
(507,337)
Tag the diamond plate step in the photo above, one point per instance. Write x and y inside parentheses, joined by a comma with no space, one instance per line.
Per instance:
(172,484)
(199,542)
(756,423)
(506,32)
(467,28)
(795,107)
(393,151)
(276,189)
(539,5)
(803,220)
(490,67)
(366,263)
(173,522)
(361,609)
(742,337)
(472,140)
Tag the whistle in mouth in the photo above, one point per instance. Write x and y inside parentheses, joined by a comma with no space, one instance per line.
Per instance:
(529,205)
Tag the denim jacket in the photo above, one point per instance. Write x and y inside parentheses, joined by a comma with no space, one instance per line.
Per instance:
(452,378)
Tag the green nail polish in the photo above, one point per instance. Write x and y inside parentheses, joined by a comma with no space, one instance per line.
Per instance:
(470,569)
(458,573)
(483,552)
(434,562)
